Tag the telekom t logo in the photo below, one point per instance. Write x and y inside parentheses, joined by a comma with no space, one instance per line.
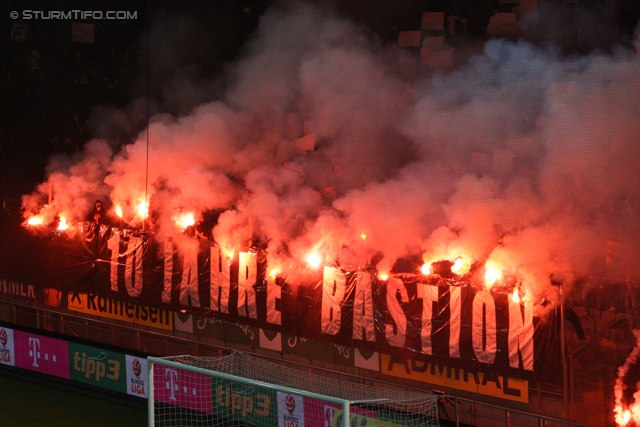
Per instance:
(172,382)
(34,350)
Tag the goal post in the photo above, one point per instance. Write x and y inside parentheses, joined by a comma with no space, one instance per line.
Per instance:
(244,390)
(227,398)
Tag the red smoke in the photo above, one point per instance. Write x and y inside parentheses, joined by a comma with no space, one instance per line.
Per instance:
(521,158)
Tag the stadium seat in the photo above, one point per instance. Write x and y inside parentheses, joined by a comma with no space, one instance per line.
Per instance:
(498,20)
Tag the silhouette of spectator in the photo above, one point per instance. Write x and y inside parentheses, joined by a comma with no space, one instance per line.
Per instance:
(573,318)
(457,15)
(99,214)
(35,62)
(20,32)
(480,12)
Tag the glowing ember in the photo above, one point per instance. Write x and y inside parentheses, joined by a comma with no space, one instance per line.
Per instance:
(313,259)
(185,220)
(426,269)
(62,225)
(383,275)
(35,220)
(118,210)
(491,275)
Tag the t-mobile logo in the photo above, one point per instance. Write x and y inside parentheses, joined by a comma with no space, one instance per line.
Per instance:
(172,382)
(34,350)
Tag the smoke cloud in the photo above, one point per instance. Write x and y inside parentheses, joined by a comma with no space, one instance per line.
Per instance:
(322,141)
(619,387)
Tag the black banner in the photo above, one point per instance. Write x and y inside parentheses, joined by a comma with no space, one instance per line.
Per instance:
(430,319)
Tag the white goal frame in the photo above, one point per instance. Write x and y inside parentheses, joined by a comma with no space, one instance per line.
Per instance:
(345,404)
(191,395)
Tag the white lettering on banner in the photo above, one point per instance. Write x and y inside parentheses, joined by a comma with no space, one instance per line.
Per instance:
(113,244)
(363,308)
(429,295)
(455,307)
(133,264)
(133,267)
(334,288)
(17,288)
(247,275)
(334,283)
(168,270)
(398,338)
(220,275)
(189,283)
(274,293)
(521,335)
(34,351)
(484,320)
(172,382)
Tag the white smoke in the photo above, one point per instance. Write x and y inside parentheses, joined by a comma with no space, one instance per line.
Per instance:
(521,157)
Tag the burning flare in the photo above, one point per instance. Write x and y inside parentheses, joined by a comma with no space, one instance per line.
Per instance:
(516,295)
(313,259)
(35,220)
(62,225)
(142,209)
(274,273)
(383,275)
(623,416)
(492,274)
(425,269)
(460,266)
(185,220)
(118,210)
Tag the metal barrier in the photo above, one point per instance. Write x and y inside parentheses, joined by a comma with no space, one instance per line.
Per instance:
(454,411)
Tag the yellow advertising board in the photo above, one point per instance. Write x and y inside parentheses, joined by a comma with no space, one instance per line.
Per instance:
(119,310)
(476,382)
(361,420)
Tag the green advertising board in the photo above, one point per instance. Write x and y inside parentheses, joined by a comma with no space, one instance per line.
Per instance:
(244,403)
(98,367)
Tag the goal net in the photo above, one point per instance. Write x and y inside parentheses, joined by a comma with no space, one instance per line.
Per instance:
(244,390)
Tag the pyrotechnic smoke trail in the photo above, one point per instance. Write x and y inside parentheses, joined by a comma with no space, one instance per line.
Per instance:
(624,415)
(523,159)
